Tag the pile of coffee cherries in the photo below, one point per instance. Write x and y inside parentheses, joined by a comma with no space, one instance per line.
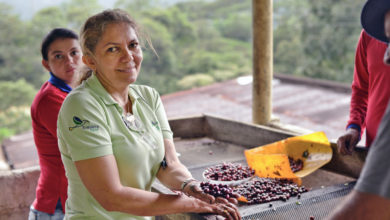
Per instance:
(228,172)
(218,190)
(296,165)
(262,190)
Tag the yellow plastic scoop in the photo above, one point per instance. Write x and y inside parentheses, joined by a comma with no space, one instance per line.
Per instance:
(271,160)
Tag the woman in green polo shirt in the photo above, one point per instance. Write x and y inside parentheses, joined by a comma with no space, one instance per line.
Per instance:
(114,136)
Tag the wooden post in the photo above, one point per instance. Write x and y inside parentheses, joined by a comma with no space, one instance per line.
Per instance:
(262,61)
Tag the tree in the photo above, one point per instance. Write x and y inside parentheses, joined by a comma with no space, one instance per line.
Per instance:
(197,42)
(158,69)
(19,93)
(236,26)
(337,30)
(137,7)
(17,56)
(20,41)
(316,38)
(76,12)
(15,107)
(195,80)
(288,31)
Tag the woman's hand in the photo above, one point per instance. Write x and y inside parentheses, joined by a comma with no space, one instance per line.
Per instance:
(228,210)
(193,189)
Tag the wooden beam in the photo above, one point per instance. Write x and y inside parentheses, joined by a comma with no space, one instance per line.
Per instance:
(262,61)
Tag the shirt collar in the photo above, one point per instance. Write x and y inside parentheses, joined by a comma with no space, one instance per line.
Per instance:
(59,83)
(133,93)
(95,85)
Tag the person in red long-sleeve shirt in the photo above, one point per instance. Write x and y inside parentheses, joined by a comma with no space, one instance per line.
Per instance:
(370,197)
(370,93)
(61,56)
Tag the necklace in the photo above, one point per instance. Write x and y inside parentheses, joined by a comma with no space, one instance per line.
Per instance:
(129,117)
(134,123)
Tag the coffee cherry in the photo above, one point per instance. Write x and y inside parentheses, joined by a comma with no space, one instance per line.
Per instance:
(218,190)
(263,190)
(296,165)
(228,172)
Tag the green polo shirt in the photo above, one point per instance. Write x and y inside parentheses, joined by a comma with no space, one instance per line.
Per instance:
(91,124)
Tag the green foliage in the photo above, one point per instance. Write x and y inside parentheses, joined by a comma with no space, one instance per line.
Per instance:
(288,45)
(195,80)
(16,55)
(221,75)
(15,107)
(48,18)
(5,133)
(176,22)
(19,93)
(197,42)
(218,9)
(14,120)
(76,12)
(186,48)
(20,41)
(236,26)
(135,6)
(317,38)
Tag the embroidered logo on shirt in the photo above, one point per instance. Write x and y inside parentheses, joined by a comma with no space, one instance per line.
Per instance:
(155,124)
(85,124)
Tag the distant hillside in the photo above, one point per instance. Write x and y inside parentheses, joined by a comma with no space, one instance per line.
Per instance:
(26,9)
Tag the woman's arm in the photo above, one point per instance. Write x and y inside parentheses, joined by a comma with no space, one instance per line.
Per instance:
(175,173)
(100,176)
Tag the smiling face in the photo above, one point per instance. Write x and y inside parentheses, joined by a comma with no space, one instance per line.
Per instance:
(63,58)
(117,57)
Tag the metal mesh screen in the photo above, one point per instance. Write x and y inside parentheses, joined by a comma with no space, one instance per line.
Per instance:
(199,153)
(317,203)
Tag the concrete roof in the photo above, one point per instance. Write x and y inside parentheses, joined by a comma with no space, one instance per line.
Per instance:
(314,105)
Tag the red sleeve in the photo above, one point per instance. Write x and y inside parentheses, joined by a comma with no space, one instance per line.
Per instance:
(49,108)
(359,95)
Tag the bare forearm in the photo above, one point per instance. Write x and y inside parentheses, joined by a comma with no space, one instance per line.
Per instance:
(143,203)
(360,205)
(174,175)
(100,176)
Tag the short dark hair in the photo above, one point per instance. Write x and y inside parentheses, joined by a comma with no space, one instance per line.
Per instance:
(57,33)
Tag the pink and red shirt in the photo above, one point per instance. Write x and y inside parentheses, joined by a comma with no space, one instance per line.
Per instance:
(52,183)
(370,86)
